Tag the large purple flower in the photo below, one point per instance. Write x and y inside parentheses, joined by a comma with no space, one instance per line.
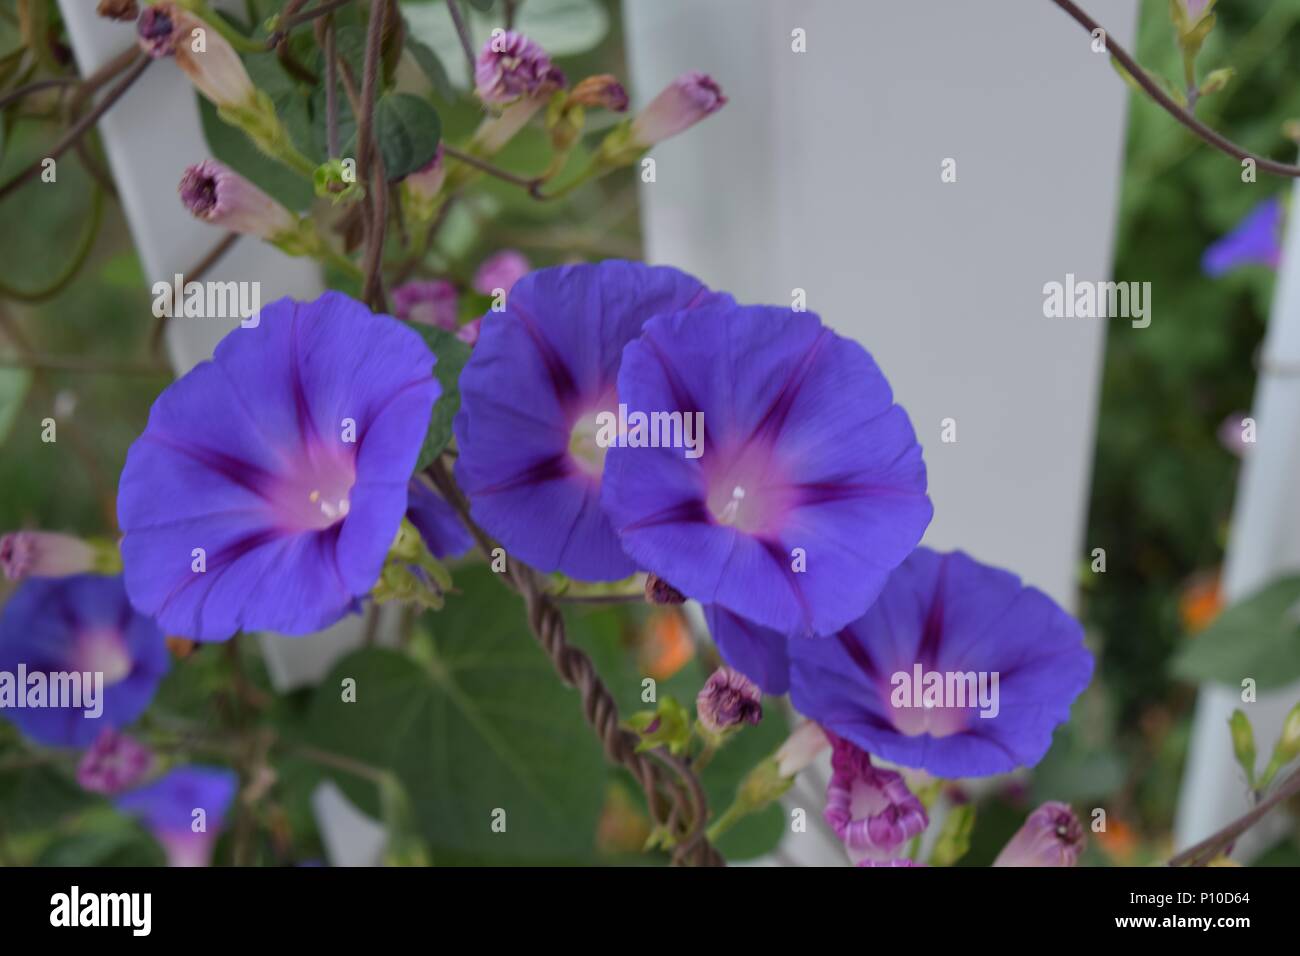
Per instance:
(185,810)
(809,487)
(270,482)
(958,669)
(437,522)
(542,372)
(82,625)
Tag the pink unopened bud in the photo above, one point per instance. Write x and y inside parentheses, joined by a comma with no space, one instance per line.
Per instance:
(426,182)
(1052,836)
(511,66)
(871,809)
(501,271)
(469,332)
(44,554)
(427,303)
(728,699)
(683,103)
(220,196)
(801,748)
(114,763)
(206,57)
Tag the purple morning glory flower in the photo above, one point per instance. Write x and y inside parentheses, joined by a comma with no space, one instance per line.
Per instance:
(808,487)
(542,372)
(437,522)
(270,481)
(185,810)
(958,669)
(1257,239)
(114,762)
(870,808)
(83,625)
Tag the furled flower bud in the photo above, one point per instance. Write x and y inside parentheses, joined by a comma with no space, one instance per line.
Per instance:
(45,554)
(801,748)
(205,56)
(426,182)
(1052,836)
(501,270)
(600,91)
(114,763)
(659,591)
(728,699)
(511,66)
(220,196)
(427,303)
(871,809)
(118,9)
(683,103)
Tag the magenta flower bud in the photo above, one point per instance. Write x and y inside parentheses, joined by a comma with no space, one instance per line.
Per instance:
(511,66)
(114,763)
(801,748)
(600,91)
(44,554)
(871,809)
(206,57)
(1052,836)
(220,196)
(427,303)
(683,103)
(728,699)
(501,271)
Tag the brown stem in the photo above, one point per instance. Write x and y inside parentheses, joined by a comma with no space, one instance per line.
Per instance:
(290,20)
(686,811)
(1209,848)
(1178,112)
(532,184)
(370,161)
(81,126)
(462,32)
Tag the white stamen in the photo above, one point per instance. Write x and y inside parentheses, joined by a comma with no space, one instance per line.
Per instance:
(733,506)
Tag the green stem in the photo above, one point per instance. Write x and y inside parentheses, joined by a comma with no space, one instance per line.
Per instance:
(236,39)
(730,817)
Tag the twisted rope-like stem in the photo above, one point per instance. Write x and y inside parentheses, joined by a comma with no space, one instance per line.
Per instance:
(674,796)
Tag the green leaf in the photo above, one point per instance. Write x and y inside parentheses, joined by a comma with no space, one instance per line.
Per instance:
(1257,638)
(452,355)
(431,65)
(480,723)
(14,383)
(408,130)
(233,148)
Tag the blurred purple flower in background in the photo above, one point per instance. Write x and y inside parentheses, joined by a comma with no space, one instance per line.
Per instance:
(947,615)
(501,270)
(1257,240)
(185,810)
(427,302)
(810,487)
(114,762)
(530,394)
(82,624)
(270,481)
(1051,836)
(871,809)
